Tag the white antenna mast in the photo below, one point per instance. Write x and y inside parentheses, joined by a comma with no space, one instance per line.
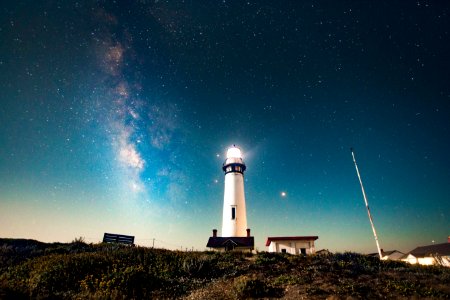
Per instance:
(367,205)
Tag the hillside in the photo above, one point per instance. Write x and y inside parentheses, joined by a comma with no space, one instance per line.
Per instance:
(31,269)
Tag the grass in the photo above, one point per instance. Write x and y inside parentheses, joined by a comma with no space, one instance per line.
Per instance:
(31,269)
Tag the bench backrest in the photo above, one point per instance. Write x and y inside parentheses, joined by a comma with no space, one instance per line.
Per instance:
(118,238)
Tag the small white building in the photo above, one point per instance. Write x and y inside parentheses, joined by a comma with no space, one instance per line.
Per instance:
(389,255)
(292,244)
(437,254)
(392,255)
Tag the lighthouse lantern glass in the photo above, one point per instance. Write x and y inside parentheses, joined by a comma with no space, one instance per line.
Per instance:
(234,153)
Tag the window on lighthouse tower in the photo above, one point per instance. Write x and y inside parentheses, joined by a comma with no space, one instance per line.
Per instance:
(233,213)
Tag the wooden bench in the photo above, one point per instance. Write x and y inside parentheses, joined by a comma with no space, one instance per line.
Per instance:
(118,238)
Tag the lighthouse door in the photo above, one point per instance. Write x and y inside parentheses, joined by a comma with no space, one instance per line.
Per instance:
(230,245)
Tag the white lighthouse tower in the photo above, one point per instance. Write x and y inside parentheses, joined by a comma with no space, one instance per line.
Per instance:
(234,221)
(235,234)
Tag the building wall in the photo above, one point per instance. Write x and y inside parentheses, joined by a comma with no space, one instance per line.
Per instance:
(393,256)
(234,198)
(410,259)
(273,247)
(427,261)
(292,247)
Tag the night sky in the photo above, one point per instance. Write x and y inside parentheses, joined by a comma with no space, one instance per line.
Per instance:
(115,117)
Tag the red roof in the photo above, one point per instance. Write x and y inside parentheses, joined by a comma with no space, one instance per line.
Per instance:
(290,238)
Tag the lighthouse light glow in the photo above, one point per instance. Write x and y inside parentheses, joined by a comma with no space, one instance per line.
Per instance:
(234,152)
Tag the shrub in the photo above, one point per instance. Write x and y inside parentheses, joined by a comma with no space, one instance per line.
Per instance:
(59,273)
(128,282)
(290,280)
(198,266)
(112,271)
(352,288)
(246,287)
(268,258)
(79,240)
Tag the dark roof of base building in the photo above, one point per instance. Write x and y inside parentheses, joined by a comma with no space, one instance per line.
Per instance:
(222,242)
(424,251)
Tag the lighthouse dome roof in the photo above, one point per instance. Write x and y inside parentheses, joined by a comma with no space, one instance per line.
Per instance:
(234,152)
(234,156)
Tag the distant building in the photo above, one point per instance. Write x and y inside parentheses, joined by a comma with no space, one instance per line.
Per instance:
(323,252)
(438,254)
(389,255)
(292,244)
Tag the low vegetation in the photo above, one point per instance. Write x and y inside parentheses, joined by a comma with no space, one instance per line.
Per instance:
(31,269)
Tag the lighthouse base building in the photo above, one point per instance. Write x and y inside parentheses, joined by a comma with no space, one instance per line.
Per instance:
(232,243)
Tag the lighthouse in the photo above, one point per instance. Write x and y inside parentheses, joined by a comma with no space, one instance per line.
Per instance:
(235,234)
(234,218)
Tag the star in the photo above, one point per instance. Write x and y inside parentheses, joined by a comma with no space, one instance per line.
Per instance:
(139,113)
